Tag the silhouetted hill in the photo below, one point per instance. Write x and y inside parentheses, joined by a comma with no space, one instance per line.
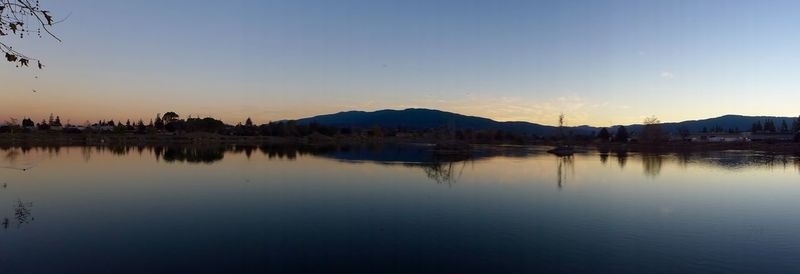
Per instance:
(417,118)
(726,122)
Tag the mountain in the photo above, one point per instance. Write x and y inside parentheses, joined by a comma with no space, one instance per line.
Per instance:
(419,118)
(726,122)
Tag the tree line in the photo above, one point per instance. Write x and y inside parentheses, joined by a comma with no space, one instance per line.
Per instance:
(172,123)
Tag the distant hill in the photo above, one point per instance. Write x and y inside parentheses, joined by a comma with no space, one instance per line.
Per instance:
(726,122)
(419,118)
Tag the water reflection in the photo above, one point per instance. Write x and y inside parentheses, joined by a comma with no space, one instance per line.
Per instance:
(604,157)
(191,154)
(622,158)
(443,172)
(364,205)
(440,168)
(22,212)
(651,164)
(565,165)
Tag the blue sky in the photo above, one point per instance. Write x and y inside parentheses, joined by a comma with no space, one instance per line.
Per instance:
(599,62)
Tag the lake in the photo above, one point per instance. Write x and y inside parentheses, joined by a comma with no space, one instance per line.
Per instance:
(395,209)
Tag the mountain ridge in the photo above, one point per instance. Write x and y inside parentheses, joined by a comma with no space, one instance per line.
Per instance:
(423,118)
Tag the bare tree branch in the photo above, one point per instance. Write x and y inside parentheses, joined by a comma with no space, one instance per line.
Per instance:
(14,15)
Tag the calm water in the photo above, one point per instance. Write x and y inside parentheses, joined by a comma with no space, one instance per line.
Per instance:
(394,209)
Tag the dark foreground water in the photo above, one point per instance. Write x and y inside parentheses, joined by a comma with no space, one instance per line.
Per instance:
(394,209)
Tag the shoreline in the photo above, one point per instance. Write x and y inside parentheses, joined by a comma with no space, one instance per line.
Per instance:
(67,139)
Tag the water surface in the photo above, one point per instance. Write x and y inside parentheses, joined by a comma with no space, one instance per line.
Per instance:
(395,209)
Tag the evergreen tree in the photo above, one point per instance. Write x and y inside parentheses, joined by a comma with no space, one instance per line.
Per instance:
(170,117)
(784,126)
(27,122)
(159,124)
(757,127)
(769,126)
(140,128)
(604,135)
(622,135)
(684,132)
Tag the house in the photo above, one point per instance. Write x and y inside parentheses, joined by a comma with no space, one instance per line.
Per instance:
(779,136)
(102,128)
(719,137)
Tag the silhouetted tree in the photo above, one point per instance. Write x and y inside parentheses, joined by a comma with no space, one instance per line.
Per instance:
(622,135)
(43,125)
(16,17)
(769,126)
(652,132)
(11,125)
(684,132)
(28,123)
(205,125)
(561,122)
(170,117)
(757,127)
(175,126)
(784,126)
(140,127)
(604,135)
(159,123)
(129,126)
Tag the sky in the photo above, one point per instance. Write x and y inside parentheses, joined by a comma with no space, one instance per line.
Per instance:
(601,63)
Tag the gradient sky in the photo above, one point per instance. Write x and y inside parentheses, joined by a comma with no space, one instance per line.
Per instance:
(599,62)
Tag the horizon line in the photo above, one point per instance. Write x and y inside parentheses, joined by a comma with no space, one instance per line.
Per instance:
(411,108)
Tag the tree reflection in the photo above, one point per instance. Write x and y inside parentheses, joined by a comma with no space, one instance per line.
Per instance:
(565,165)
(22,212)
(651,164)
(797,162)
(193,154)
(443,173)
(603,155)
(435,165)
(622,158)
